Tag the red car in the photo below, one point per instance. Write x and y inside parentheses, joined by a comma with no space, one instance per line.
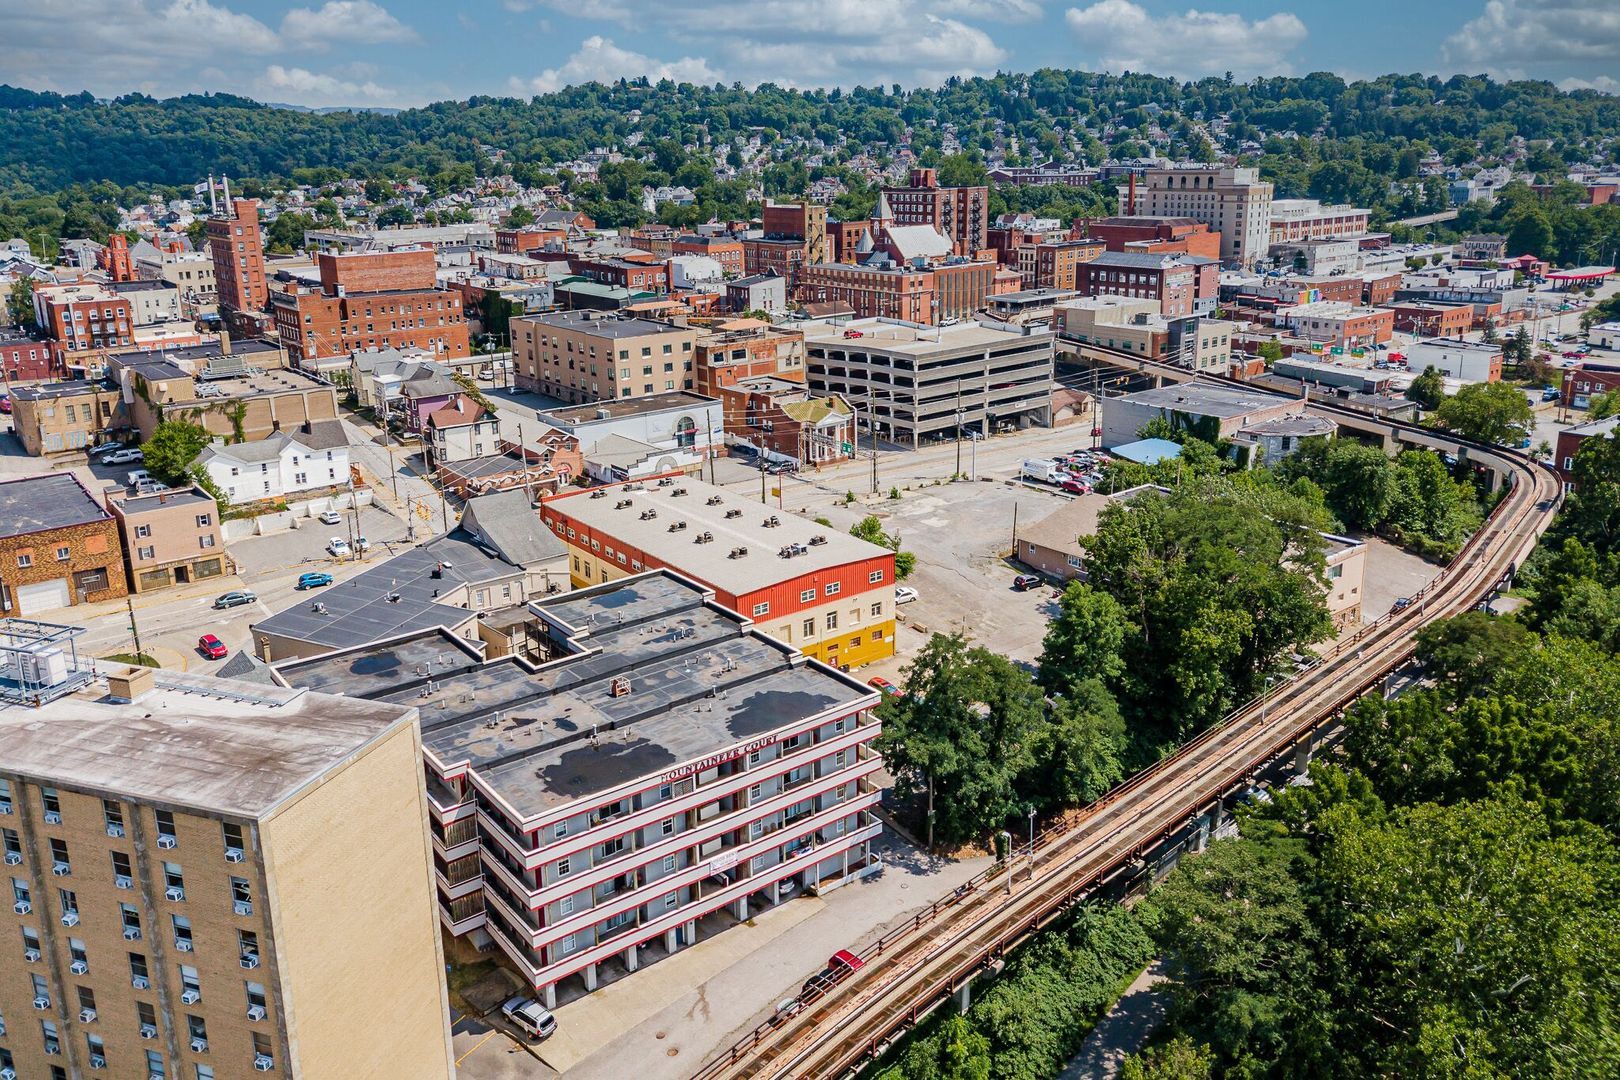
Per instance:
(878,682)
(211,647)
(1075,487)
(5,405)
(840,966)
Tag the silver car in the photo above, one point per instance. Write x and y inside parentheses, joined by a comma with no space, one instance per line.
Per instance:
(529,1017)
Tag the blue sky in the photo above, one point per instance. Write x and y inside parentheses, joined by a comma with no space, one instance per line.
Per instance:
(408,52)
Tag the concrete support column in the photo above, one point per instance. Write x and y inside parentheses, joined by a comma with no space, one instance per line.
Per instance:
(548,996)
(1302,757)
(964,996)
(741,910)
(845,871)
(776,893)
(669,940)
(590,977)
(691,932)
(1217,817)
(632,958)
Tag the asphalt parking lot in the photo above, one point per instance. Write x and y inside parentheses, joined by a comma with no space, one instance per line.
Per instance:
(304,548)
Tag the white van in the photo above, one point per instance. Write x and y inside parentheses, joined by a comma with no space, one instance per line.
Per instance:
(529,1017)
(1042,469)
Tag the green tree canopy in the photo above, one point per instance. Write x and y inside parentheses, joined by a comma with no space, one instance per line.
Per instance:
(1428,389)
(1488,412)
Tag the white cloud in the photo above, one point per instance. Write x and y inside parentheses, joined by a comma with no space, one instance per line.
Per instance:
(355,21)
(1601,83)
(1016,11)
(1512,37)
(614,11)
(300,86)
(1121,35)
(599,60)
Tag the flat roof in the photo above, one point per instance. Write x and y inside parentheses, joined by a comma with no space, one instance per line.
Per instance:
(198,742)
(67,388)
(604,324)
(39,503)
(703,507)
(1206,399)
(161,500)
(1062,529)
(911,339)
(619,408)
(699,681)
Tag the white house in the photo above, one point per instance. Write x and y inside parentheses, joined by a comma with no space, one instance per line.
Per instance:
(305,460)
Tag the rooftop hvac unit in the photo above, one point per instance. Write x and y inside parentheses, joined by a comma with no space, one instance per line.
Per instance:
(45,668)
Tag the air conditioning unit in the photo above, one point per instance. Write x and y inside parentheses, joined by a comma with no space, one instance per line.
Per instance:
(87,1016)
(242,907)
(191,997)
(115,831)
(53,1048)
(42,1003)
(70,918)
(132,933)
(13,858)
(199,1046)
(235,854)
(263,1062)
(148,1031)
(174,892)
(8,1073)
(183,944)
(5,806)
(98,1061)
(52,817)
(79,967)
(31,955)
(124,881)
(167,842)
(140,982)
(256,1012)
(61,869)
(249,960)
(22,907)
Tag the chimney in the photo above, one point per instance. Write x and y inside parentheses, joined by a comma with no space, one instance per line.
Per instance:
(224,342)
(132,685)
(213,200)
(1130,197)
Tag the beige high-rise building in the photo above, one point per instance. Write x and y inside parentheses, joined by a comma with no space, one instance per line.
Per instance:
(588,356)
(1234,201)
(210,879)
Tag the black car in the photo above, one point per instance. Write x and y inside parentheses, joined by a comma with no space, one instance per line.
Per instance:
(1025,582)
(234,599)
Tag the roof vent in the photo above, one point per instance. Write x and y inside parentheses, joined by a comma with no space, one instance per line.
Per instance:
(666,482)
(737,553)
(647,515)
(817,540)
(620,686)
(599,494)
(713,500)
(677,491)
(677,526)
(733,513)
(772,522)
(703,538)
(622,504)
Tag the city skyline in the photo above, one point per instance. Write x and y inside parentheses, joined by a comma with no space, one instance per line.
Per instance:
(402,53)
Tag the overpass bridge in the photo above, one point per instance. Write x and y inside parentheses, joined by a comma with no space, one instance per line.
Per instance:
(935,957)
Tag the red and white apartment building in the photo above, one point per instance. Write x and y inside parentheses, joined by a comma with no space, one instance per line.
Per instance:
(636,779)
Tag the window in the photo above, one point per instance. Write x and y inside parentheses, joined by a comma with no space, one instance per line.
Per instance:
(877,611)
(63,554)
(833,588)
(667,827)
(206,541)
(761,609)
(114,816)
(13,846)
(832,620)
(174,880)
(669,864)
(807,596)
(165,828)
(70,906)
(809,628)
(241,896)
(145,552)
(874,577)
(669,901)
(233,837)
(563,868)
(52,804)
(60,863)
(247,945)
(137,968)
(204,520)
(132,921)
(559,830)
(182,932)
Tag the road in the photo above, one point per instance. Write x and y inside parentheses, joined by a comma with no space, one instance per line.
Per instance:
(914,969)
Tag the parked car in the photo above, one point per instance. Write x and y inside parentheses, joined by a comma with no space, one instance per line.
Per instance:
(1075,487)
(840,966)
(1573,355)
(5,405)
(123,455)
(330,517)
(905,594)
(529,1017)
(1025,582)
(361,544)
(148,487)
(313,580)
(235,598)
(1552,393)
(211,647)
(1401,603)
(337,547)
(878,682)
(136,476)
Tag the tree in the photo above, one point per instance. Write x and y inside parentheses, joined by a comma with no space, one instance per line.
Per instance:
(1530,233)
(1488,412)
(961,734)
(1428,389)
(519,217)
(1080,751)
(173,447)
(1084,639)
(964,1054)
(1178,1059)
(1359,483)
(395,216)
(20,302)
(1270,352)
(870,529)
(1603,405)
(1471,650)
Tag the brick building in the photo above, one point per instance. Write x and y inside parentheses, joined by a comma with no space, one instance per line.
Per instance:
(58,546)
(1587,378)
(1056,265)
(1182,284)
(586,356)
(1423,318)
(961,213)
(83,318)
(1570,440)
(170,538)
(370,300)
(212,877)
(783,417)
(1308,219)
(1338,324)
(722,249)
(237,244)
(522,241)
(1151,235)
(649,276)
(1234,202)
(733,350)
(25,358)
(842,239)
(803,221)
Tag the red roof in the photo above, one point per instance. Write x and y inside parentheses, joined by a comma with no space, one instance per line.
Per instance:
(448,415)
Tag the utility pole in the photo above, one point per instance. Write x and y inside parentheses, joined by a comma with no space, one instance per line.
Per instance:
(958,471)
(708,435)
(134,630)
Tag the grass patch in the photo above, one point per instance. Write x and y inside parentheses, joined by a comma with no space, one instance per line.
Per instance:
(135,659)
(461,976)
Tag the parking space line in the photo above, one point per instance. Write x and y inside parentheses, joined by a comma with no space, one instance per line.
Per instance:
(492,1033)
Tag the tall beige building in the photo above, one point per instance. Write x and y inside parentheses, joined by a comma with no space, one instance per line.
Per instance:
(1235,201)
(210,879)
(586,356)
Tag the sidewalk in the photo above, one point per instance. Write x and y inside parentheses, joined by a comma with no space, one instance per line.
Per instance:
(1123,1030)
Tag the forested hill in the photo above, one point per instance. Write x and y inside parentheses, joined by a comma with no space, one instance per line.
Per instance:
(49,141)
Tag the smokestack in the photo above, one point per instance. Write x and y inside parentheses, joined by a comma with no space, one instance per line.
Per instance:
(224,342)
(229,210)
(1130,197)
(213,200)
